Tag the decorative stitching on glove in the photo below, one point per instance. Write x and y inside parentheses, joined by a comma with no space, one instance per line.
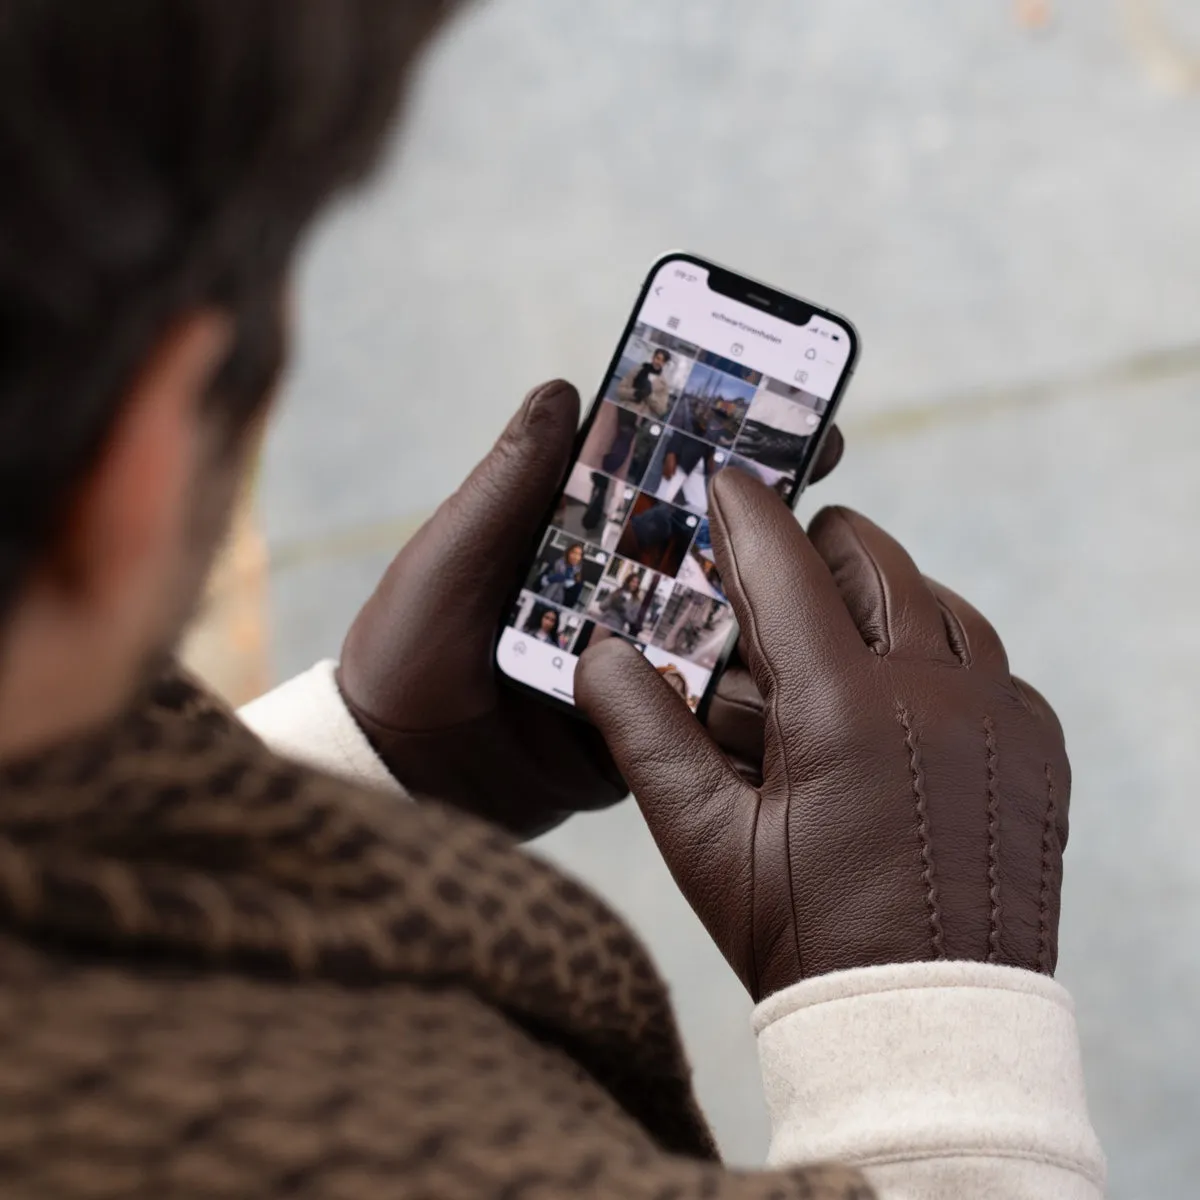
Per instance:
(937,937)
(993,811)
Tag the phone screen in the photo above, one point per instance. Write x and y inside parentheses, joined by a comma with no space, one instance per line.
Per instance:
(702,381)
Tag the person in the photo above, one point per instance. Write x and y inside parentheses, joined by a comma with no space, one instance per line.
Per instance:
(711,417)
(562,581)
(646,385)
(624,603)
(544,628)
(594,514)
(618,458)
(672,477)
(299,953)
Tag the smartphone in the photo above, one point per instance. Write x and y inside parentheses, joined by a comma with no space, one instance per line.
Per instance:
(714,370)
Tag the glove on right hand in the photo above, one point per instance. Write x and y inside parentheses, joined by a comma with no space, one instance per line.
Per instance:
(914,803)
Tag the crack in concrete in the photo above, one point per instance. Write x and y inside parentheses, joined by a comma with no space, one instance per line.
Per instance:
(976,404)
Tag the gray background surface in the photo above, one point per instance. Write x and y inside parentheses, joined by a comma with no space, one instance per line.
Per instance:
(1013,221)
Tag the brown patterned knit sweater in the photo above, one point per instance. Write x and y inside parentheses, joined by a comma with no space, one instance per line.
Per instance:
(222,975)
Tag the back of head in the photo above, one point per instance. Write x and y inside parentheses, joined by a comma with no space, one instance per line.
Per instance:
(158,157)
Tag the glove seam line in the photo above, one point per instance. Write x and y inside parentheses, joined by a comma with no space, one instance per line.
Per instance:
(753,890)
(993,814)
(781,742)
(928,877)
(363,718)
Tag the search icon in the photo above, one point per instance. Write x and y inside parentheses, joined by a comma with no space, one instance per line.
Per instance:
(556,663)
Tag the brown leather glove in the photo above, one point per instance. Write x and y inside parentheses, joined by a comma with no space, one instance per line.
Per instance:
(417,669)
(915,797)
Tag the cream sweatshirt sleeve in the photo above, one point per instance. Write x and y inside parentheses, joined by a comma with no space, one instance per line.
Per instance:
(943,1081)
(306,719)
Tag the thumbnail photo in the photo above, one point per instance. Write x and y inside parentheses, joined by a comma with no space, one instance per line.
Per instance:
(594,506)
(699,570)
(780,422)
(566,571)
(592,635)
(713,405)
(620,443)
(730,366)
(628,599)
(778,481)
(688,679)
(681,469)
(695,627)
(651,373)
(657,534)
(543,622)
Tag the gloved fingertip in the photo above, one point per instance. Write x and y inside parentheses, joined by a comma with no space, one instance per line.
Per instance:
(612,658)
(612,653)
(553,399)
(728,487)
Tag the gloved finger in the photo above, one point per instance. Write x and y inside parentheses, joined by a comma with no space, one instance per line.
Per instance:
(881,586)
(978,643)
(794,624)
(735,718)
(699,811)
(1037,704)
(829,455)
(1030,774)
(485,530)
(1057,773)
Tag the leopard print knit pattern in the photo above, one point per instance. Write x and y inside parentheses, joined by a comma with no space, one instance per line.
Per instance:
(224,975)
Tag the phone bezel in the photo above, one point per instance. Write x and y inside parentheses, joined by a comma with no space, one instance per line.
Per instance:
(736,281)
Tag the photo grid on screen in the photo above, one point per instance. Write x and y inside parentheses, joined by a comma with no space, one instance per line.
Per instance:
(629,552)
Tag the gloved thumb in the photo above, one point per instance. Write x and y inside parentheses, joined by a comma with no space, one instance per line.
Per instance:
(431,620)
(493,518)
(700,812)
